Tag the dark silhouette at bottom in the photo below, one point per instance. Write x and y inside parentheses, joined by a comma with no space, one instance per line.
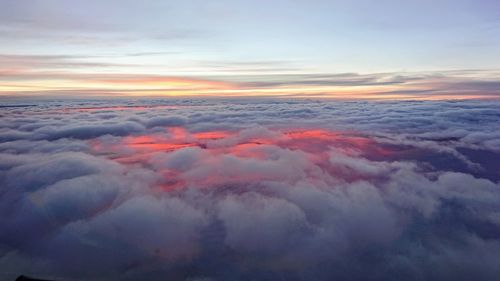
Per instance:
(26,278)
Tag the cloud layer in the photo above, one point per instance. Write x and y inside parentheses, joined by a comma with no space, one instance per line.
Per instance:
(250,190)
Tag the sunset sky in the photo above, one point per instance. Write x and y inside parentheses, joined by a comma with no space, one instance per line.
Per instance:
(342,49)
(262,140)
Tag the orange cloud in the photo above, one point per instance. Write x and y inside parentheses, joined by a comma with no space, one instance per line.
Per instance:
(26,81)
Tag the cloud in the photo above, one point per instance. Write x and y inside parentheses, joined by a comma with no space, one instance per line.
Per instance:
(165,121)
(87,131)
(34,75)
(263,189)
(279,221)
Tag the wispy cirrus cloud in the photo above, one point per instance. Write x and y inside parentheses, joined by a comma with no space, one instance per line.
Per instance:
(56,75)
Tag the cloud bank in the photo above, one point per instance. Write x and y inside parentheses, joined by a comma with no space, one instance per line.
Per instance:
(250,190)
(35,76)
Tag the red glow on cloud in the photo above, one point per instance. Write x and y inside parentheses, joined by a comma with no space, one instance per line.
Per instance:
(150,143)
(223,157)
(212,135)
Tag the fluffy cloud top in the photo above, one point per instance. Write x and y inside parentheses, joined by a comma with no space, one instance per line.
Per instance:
(250,190)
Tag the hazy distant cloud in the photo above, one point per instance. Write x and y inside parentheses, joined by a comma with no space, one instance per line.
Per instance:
(108,25)
(20,67)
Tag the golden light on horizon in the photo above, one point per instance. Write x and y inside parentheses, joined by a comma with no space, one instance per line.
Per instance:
(299,86)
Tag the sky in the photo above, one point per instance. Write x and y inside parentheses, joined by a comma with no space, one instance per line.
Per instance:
(384,49)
